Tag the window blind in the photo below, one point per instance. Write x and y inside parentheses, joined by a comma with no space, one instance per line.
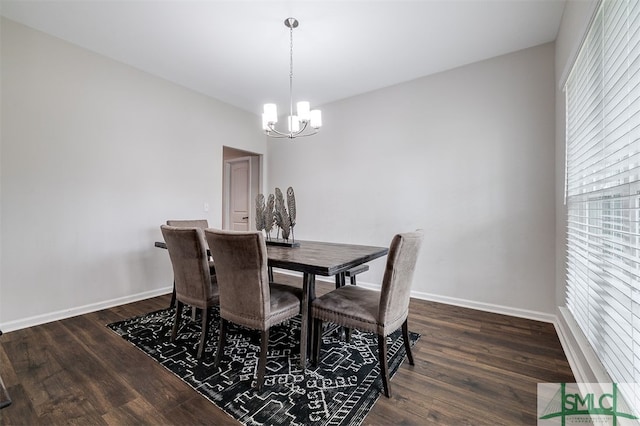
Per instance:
(603,189)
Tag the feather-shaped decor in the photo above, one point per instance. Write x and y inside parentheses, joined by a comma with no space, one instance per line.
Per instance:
(268,215)
(282,218)
(286,228)
(291,204)
(274,212)
(279,207)
(260,208)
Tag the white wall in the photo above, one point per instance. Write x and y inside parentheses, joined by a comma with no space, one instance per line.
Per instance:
(467,155)
(95,155)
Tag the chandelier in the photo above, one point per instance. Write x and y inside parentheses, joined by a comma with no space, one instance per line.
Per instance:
(307,122)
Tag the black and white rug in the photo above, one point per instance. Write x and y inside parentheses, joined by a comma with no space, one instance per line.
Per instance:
(339,391)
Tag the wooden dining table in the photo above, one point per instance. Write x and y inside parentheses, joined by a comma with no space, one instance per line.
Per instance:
(313,258)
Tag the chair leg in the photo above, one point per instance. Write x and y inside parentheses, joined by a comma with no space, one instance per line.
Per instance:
(173,295)
(221,341)
(384,369)
(262,363)
(203,334)
(174,331)
(342,332)
(407,342)
(317,343)
(347,335)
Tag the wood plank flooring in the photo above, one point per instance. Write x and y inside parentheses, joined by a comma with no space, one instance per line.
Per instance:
(471,367)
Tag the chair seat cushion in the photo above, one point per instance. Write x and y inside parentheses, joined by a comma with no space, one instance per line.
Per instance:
(349,306)
(285,302)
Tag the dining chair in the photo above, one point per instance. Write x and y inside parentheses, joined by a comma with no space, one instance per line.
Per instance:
(247,297)
(381,312)
(194,284)
(201,224)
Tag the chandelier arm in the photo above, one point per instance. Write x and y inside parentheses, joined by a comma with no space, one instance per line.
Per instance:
(277,132)
(308,134)
(304,126)
(290,135)
(299,132)
(276,136)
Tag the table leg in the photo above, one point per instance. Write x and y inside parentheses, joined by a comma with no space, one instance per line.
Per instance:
(308,294)
(340,280)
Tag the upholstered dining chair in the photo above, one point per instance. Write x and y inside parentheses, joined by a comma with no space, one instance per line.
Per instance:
(201,224)
(381,312)
(194,285)
(247,297)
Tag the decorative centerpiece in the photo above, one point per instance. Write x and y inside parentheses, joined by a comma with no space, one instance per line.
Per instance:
(275,212)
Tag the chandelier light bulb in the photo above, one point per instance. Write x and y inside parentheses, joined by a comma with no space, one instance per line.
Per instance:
(316,118)
(271,113)
(294,123)
(303,111)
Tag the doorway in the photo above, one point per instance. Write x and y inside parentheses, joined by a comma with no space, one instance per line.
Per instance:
(241,183)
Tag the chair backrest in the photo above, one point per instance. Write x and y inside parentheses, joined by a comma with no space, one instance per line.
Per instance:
(201,224)
(398,276)
(243,280)
(188,253)
(196,223)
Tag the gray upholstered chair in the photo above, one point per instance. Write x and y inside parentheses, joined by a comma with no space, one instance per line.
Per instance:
(201,224)
(194,285)
(247,297)
(381,312)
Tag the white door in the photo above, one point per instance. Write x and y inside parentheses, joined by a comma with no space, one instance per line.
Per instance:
(239,185)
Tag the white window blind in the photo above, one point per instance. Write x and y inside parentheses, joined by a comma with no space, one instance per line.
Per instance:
(603,189)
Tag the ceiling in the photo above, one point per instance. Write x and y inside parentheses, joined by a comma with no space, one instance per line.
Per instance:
(238,51)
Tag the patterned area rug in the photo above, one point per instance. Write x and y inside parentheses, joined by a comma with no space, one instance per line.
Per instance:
(340,391)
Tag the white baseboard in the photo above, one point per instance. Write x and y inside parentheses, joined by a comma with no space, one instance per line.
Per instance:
(80,310)
(585,365)
(487,307)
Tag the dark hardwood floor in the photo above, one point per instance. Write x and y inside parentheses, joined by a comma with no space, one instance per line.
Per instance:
(471,367)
